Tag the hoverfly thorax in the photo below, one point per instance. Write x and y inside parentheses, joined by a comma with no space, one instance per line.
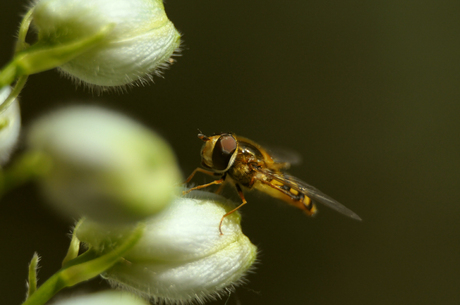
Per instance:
(219,151)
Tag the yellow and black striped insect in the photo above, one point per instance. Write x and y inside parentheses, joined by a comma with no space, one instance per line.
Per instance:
(248,165)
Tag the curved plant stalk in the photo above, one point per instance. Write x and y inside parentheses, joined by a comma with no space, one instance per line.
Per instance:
(22,33)
(21,45)
(81,269)
(20,83)
(41,57)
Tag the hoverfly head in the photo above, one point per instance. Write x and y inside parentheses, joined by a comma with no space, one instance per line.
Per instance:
(219,151)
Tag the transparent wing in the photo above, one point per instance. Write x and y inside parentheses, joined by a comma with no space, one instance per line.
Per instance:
(283,158)
(310,191)
(286,156)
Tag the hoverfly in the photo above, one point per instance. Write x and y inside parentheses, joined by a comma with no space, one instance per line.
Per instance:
(248,165)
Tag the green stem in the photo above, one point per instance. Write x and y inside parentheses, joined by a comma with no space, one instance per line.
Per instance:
(44,56)
(23,29)
(14,93)
(83,271)
(8,74)
(74,246)
(32,282)
(21,45)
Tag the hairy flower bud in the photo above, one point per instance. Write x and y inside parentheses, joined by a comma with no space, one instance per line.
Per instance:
(103,298)
(10,125)
(142,40)
(104,165)
(182,257)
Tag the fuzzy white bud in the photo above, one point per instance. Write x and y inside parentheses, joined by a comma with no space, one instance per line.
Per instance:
(10,125)
(103,298)
(105,166)
(143,38)
(182,257)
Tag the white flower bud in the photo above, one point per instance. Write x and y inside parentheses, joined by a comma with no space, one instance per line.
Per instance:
(142,40)
(10,125)
(182,257)
(105,166)
(103,298)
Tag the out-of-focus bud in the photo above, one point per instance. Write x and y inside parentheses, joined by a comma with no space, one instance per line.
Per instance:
(103,298)
(182,257)
(10,125)
(104,165)
(142,40)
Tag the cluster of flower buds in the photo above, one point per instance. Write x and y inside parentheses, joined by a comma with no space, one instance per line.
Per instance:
(119,177)
(117,174)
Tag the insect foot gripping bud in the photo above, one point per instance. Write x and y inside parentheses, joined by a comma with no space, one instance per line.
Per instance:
(182,257)
(10,125)
(104,165)
(103,298)
(143,39)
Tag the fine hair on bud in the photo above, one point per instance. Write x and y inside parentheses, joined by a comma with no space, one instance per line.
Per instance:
(140,43)
(182,257)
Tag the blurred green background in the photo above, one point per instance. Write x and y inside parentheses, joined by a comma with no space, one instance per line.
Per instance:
(366,91)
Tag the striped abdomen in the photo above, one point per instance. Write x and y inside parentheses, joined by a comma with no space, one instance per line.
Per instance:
(287,193)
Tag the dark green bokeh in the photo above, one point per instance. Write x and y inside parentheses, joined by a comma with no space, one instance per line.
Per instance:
(367,92)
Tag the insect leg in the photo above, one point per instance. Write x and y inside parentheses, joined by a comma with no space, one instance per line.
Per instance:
(240,192)
(198,169)
(219,190)
(203,186)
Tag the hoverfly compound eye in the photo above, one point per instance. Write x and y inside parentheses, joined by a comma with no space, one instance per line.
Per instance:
(223,151)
